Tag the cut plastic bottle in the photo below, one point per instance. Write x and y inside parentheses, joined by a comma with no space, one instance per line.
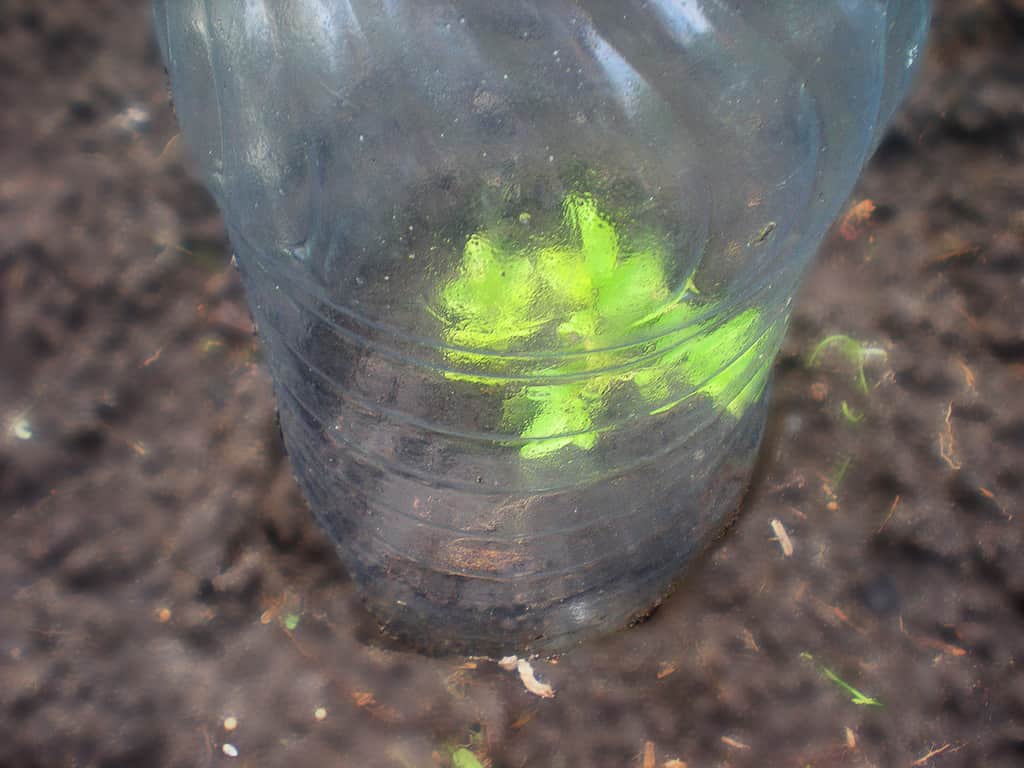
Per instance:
(521,270)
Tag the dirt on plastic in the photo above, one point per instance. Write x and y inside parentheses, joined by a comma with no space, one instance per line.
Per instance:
(168,600)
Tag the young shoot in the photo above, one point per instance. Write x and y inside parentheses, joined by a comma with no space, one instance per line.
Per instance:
(604,296)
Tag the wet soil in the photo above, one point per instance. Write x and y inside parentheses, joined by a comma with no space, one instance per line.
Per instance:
(160,572)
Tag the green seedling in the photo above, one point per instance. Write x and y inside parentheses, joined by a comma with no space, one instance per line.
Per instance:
(851,414)
(462,755)
(463,758)
(588,286)
(840,473)
(856,697)
(855,352)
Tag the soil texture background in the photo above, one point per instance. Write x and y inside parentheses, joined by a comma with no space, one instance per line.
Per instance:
(168,601)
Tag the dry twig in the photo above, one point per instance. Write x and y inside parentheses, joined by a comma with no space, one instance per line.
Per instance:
(783,538)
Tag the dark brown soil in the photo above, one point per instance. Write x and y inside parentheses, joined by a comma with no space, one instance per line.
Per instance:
(160,572)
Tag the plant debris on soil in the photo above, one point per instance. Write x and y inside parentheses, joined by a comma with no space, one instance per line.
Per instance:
(163,577)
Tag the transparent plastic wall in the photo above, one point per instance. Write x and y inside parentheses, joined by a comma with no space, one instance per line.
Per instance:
(521,269)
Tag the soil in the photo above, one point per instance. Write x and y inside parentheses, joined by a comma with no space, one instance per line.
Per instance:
(161,573)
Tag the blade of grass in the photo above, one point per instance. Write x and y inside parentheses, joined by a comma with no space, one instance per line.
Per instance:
(856,696)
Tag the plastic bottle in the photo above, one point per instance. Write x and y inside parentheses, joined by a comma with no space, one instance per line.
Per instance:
(521,269)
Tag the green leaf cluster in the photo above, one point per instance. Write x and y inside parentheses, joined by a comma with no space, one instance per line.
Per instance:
(586,287)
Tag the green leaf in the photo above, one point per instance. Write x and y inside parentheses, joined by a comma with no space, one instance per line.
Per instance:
(479,257)
(560,411)
(851,414)
(840,473)
(709,353)
(722,387)
(581,326)
(704,360)
(597,236)
(565,276)
(463,758)
(636,288)
(856,696)
(494,301)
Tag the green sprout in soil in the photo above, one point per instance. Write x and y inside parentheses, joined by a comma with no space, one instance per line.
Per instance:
(855,352)
(856,696)
(850,413)
(463,758)
(590,286)
(463,755)
(840,473)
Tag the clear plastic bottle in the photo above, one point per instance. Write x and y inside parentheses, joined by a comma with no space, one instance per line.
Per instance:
(521,269)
